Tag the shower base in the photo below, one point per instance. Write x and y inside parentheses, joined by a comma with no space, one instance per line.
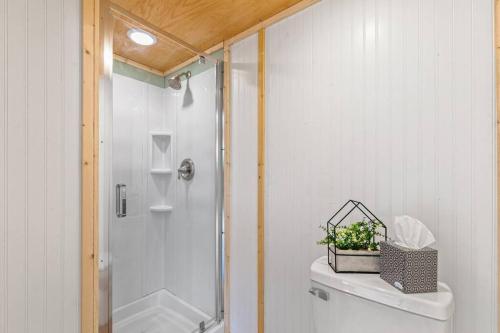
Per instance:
(161,312)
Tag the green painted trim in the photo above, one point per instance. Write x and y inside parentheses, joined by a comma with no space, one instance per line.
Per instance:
(138,74)
(160,81)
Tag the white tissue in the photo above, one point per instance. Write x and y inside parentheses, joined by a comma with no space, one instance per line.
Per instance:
(412,233)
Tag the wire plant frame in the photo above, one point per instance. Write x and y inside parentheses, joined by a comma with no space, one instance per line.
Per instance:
(337,221)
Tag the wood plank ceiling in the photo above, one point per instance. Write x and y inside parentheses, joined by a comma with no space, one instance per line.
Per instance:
(201,23)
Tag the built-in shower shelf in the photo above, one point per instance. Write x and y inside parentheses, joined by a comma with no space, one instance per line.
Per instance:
(160,133)
(161,209)
(161,152)
(161,171)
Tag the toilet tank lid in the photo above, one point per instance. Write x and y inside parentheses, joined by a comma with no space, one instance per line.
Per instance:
(439,305)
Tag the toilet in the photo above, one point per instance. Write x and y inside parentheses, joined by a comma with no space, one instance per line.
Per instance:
(364,303)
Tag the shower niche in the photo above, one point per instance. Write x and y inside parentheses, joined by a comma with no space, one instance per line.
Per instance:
(161,168)
(161,153)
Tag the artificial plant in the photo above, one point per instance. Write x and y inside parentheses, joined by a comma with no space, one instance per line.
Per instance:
(356,236)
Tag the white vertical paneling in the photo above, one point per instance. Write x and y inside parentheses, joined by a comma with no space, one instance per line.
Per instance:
(40,166)
(286,277)
(428,86)
(387,102)
(483,230)
(243,288)
(3,167)
(37,172)
(462,140)
(72,157)
(445,137)
(55,164)
(17,247)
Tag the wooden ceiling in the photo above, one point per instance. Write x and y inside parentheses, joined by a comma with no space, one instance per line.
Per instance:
(201,23)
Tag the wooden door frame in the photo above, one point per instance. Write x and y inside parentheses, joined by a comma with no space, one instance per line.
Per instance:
(93,68)
(90,165)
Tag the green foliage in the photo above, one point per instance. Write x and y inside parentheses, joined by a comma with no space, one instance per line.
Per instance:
(357,236)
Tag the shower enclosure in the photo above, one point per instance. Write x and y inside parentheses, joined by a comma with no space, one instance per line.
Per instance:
(161,159)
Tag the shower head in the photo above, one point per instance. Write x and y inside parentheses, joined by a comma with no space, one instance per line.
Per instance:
(175,82)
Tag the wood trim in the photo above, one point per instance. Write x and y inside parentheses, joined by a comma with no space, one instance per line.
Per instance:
(138,65)
(193,59)
(497,75)
(126,16)
(227,186)
(89,199)
(261,122)
(272,20)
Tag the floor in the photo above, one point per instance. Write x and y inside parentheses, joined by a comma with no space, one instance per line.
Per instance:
(161,312)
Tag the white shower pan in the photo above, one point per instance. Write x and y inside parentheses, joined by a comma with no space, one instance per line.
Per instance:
(161,312)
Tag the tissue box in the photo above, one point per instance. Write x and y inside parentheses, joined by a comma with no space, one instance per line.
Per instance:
(411,271)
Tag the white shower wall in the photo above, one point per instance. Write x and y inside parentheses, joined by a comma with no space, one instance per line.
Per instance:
(167,250)
(137,240)
(190,239)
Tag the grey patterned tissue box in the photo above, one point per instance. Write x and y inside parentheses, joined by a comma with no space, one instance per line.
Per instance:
(411,271)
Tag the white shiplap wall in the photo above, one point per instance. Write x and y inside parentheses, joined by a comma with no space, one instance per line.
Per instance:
(243,288)
(39,166)
(391,103)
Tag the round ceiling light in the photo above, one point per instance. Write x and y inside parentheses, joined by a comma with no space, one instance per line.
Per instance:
(141,37)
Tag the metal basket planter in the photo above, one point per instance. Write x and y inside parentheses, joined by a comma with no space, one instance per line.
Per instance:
(360,260)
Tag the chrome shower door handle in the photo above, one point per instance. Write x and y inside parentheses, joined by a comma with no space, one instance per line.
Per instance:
(121,200)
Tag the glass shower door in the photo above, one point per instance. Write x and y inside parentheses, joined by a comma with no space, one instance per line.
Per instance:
(166,221)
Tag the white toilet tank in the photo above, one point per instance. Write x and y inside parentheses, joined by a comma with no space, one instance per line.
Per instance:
(364,303)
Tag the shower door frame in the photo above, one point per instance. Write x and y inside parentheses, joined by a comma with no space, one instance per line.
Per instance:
(97,57)
(108,203)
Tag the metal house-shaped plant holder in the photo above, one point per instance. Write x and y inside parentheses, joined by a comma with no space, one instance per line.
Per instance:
(354,260)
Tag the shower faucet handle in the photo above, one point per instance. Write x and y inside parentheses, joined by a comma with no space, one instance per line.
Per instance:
(186,169)
(182,171)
